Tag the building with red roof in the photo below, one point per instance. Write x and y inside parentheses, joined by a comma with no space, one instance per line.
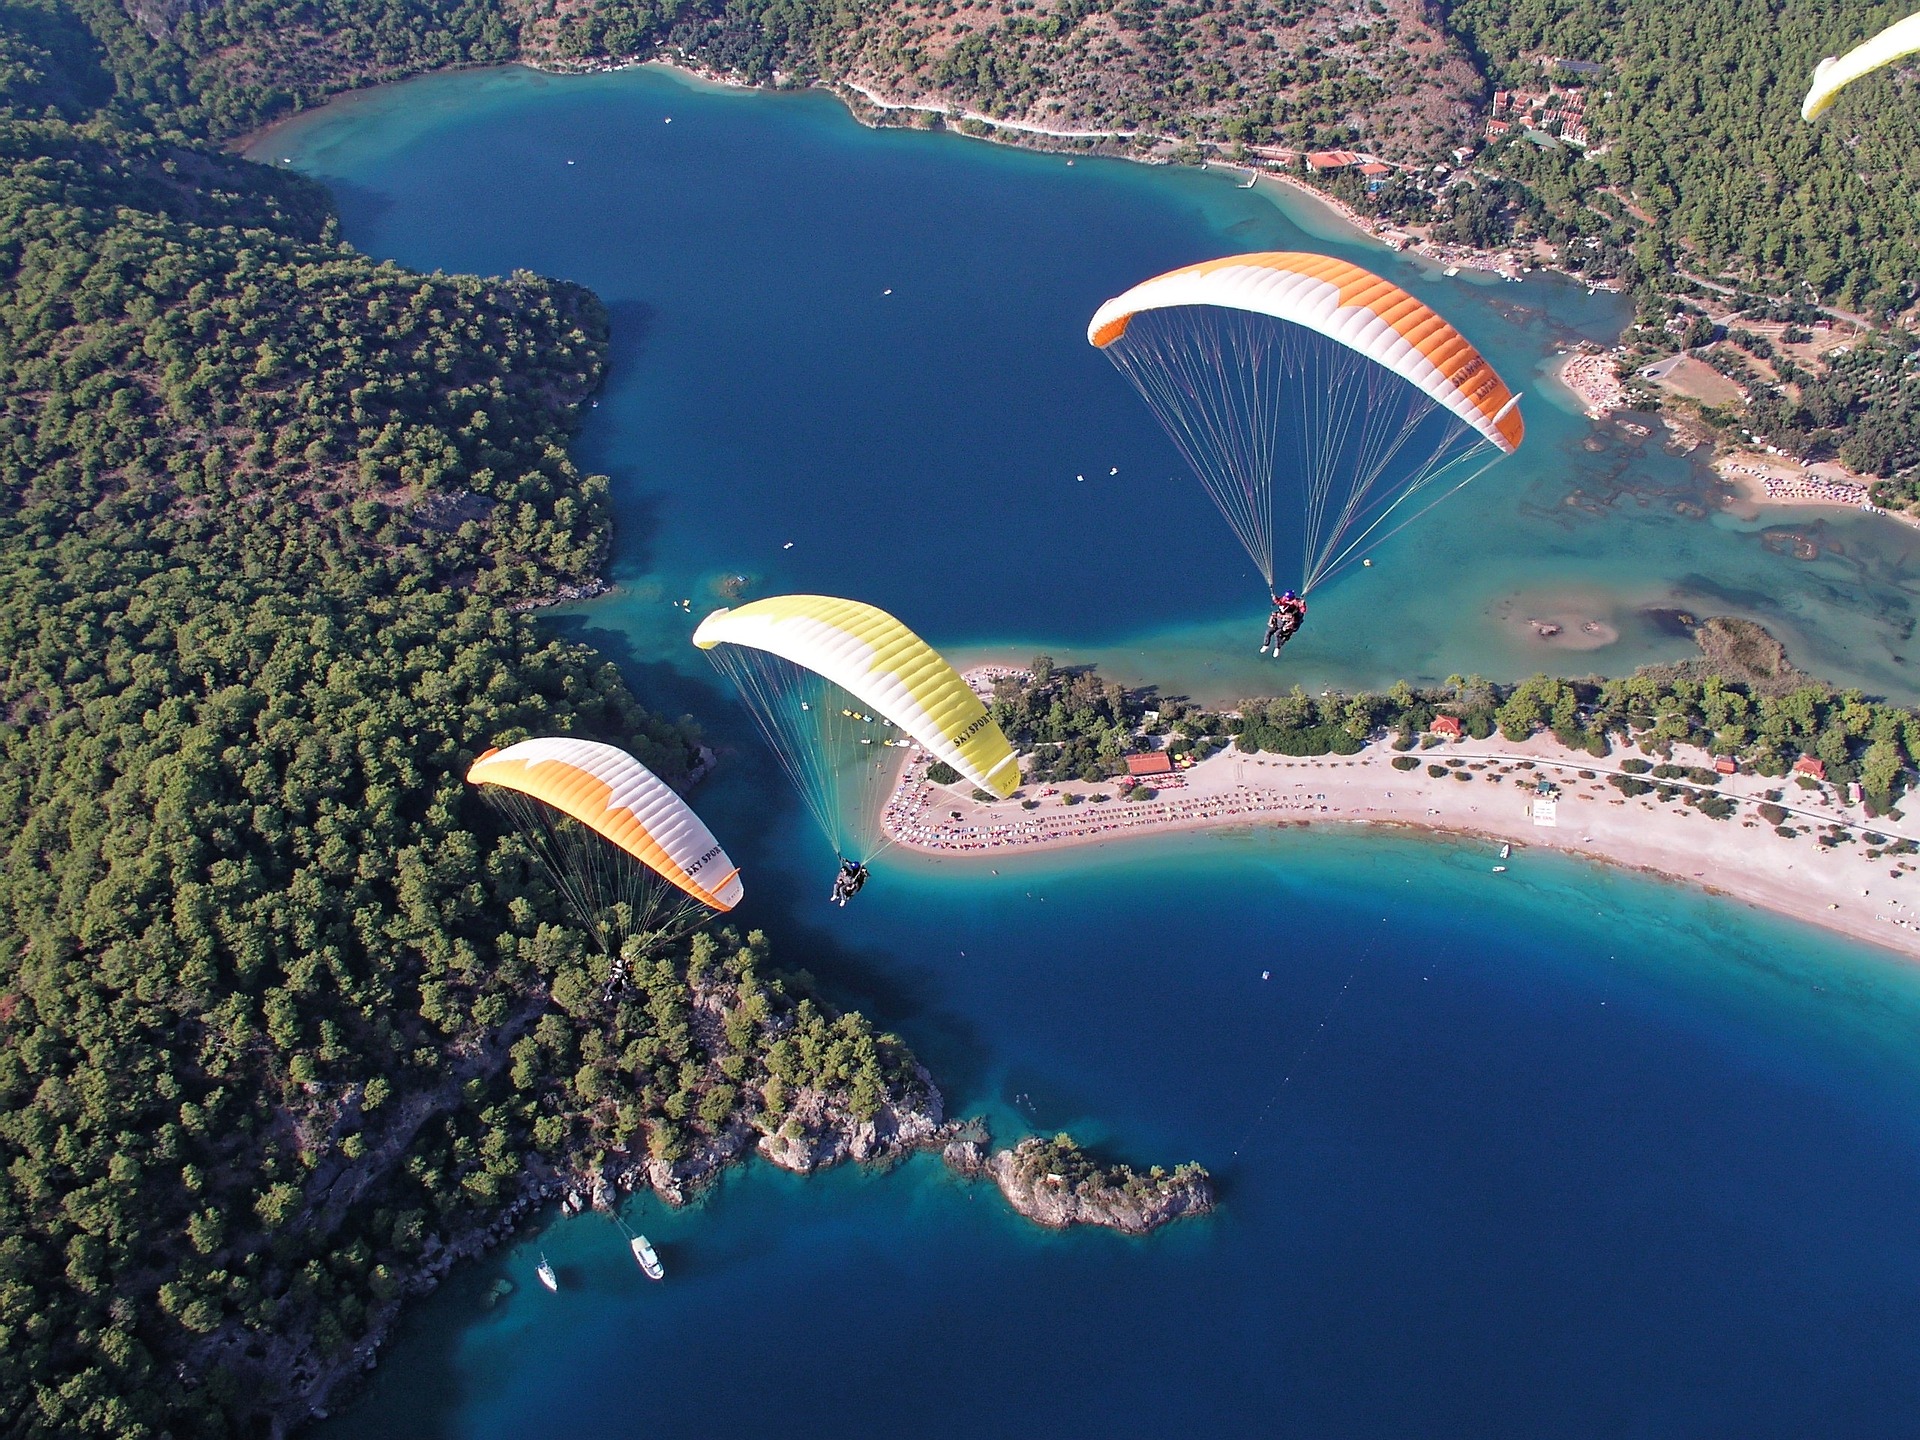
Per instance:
(1154,762)
(1808,765)
(1448,725)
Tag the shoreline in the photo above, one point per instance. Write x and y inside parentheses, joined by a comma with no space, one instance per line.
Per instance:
(1835,887)
(1109,144)
(1593,378)
(1767,481)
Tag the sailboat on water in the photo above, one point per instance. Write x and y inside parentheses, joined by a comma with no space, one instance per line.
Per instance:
(546,1273)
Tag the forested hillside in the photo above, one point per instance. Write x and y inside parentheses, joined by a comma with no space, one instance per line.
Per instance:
(281,1010)
(1698,157)
(1695,121)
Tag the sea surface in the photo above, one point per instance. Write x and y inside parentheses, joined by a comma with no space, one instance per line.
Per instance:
(1558,1152)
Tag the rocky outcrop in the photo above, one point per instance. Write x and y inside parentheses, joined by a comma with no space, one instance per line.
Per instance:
(561,595)
(1055,1183)
(820,1130)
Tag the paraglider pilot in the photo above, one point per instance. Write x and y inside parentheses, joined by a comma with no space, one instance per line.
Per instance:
(847,883)
(1289,611)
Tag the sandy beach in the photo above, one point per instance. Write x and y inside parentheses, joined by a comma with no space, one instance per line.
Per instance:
(1595,379)
(1774,480)
(1488,788)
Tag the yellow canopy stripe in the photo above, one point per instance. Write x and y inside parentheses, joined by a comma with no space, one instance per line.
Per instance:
(1898,39)
(872,656)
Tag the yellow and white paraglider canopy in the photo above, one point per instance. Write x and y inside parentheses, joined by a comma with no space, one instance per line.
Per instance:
(1833,75)
(882,664)
(626,804)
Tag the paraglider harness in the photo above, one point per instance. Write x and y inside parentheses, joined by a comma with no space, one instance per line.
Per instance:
(1288,613)
(616,980)
(847,883)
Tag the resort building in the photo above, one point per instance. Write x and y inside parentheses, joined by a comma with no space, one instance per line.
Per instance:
(1447,726)
(1154,762)
(1808,765)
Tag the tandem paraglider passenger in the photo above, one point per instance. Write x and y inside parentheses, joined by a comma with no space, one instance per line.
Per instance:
(847,883)
(1289,613)
(837,688)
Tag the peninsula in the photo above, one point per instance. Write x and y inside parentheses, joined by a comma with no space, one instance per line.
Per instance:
(1775,790)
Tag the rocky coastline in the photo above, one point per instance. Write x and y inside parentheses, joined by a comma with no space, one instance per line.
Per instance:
(1057,1184)
(1051,1182)
(561,595)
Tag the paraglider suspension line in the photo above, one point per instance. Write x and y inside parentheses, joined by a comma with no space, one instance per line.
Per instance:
(611,893)
(834,751)
(1307,1049)
(1258,406)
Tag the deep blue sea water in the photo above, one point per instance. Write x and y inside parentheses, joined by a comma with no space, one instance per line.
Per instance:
(1563,1152)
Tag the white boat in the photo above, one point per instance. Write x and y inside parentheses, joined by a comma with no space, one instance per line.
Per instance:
(648,1261)
(546,1274)
(1499,869)
(1506,852)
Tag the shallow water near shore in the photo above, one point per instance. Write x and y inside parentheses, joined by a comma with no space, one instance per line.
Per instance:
(1559,1152)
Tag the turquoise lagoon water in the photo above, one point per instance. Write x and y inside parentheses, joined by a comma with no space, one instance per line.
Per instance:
(1562,1152)
(921,447)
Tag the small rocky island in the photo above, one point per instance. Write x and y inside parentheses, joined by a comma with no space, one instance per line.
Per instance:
(1057,1184)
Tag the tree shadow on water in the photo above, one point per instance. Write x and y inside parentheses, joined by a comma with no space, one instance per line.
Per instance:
(420,1391)
(630,323)
(360,207)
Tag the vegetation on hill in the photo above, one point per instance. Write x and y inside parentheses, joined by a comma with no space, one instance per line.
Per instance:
(282,1012)
(1057,1183)
(1732,219)
(1695,120)
(1222,71)
(280,1008)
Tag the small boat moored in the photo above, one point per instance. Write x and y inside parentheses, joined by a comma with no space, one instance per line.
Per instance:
(546,1273)
(648,1261)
